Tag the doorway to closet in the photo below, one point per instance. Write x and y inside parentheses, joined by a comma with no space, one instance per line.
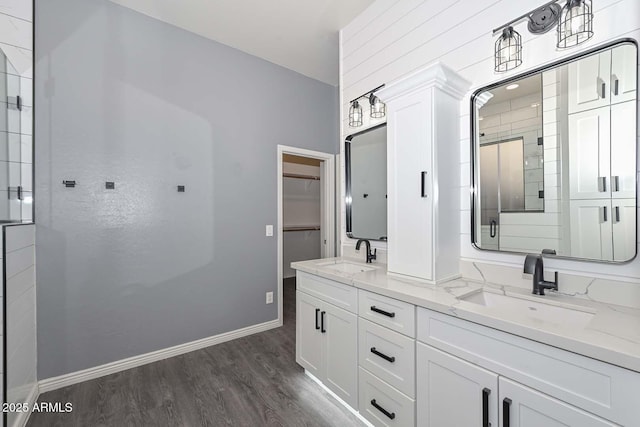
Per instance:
(306,216)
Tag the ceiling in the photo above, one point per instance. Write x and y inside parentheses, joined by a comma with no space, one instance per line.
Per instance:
(526,86)
(299,35)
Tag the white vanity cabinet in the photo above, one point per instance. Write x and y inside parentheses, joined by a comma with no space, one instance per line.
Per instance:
(468,374)
(603,79)
(327,336)
(423,180)
(386,357)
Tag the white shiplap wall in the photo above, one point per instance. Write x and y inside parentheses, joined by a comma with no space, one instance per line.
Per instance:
(393,38)
(22,383)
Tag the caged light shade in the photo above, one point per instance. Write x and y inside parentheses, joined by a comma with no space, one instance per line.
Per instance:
(355,114)
(378,108)
(508,52)
(576,23)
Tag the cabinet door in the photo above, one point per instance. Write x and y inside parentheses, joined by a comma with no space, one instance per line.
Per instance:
(623,150)
(525,407)
(589,82)
(591,229)
(589,154)
(308,333)
(409,180)
(624,228)
(623,74)
(454,393)
(341,353)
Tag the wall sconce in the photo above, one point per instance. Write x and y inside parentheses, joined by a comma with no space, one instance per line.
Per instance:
(355,114)
(377,110)
(574,23)
(508,53)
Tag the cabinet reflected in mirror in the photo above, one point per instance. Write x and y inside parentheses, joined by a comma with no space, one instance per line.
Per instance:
(366,184)
(555,159)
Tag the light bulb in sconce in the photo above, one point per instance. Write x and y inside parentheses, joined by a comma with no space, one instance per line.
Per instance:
(378,108)
(508,50)
(576,23)
(355,114)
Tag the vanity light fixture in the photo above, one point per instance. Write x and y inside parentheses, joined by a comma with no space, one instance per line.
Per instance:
(576,23)
(355,114)
(508,54)
(377,108)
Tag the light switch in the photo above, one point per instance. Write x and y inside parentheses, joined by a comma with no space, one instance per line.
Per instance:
(269,230)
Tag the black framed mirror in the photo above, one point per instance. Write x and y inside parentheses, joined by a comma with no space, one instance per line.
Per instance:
(366,184)
(554,158)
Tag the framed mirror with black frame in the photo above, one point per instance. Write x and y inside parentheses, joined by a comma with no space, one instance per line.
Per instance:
(366,184)
(554,158)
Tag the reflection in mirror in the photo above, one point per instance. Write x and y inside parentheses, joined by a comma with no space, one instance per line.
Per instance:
(555,159)
(16,199)
(366,183)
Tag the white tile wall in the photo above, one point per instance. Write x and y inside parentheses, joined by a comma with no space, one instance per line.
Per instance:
(392,38)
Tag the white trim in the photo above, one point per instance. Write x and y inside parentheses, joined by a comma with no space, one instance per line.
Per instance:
(55,383)
(328,188)
(22,418)
(342,402)
(436,74)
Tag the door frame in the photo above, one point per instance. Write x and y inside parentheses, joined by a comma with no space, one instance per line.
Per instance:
(327,189)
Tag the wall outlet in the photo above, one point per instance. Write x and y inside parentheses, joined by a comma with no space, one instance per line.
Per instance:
(269,297)
(269,230)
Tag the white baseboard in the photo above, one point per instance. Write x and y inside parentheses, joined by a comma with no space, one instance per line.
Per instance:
(23,417)
(55,383)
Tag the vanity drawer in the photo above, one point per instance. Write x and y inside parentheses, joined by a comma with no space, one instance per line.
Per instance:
(387,354)
(605,390)
(336,293)
(383,405)
(397,315)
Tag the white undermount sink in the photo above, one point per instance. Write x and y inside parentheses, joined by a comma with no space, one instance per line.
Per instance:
(347,267)
(534,310)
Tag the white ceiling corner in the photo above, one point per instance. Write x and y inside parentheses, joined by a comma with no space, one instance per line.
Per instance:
(299,35)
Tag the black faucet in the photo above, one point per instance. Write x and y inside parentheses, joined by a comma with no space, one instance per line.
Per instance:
(533,264)
(370,256)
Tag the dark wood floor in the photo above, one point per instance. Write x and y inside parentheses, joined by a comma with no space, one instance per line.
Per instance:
(252,381)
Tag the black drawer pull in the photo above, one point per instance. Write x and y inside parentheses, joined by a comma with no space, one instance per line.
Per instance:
(384,313)
(322,329)
(384,356)
(390,415)
(485,407)
(317,325)
(506,416)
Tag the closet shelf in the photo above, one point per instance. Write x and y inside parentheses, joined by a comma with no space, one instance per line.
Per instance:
(297,176)
(301,228)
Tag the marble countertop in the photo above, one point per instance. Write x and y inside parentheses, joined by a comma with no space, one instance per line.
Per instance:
(605,332)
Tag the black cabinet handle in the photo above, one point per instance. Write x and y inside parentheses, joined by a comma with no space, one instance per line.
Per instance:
(423,184)
(615,183)
(19,192)
(384,313)
(384,356)
(617,213)
(493,227)
(485,407)
(615,86)
(317,325)
(604,90)
(390,415)
(19,102)
(506,416)
(322,329)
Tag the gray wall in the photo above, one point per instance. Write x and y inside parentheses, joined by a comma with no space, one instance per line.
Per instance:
(122,97)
